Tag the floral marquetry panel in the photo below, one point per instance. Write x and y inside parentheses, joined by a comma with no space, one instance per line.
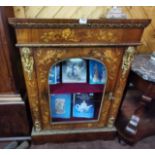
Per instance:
(47,57)
(70,35)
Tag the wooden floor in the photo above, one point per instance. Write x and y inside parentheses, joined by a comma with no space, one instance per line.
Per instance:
(147,143)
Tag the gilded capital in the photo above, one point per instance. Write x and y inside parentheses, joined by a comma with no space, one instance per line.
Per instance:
(27,61)
(127,59)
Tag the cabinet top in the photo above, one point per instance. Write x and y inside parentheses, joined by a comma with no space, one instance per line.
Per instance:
(66,32)
(74,23)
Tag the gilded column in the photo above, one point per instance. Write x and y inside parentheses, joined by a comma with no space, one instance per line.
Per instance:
(31,84)
(119,89)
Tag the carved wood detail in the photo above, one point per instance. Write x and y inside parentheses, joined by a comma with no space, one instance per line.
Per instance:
(73,23)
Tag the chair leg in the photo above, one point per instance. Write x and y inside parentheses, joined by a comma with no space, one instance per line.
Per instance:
(23,145)
(11,145)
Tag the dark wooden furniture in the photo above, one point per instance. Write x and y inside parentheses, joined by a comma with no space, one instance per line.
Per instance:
(7,83)
(144,108)
(147,87)
(14,123)
(44,42)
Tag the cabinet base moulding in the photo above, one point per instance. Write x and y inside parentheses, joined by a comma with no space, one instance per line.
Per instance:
(45,136)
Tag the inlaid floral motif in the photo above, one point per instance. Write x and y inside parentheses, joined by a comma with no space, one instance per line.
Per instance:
(65,34)
(71,35)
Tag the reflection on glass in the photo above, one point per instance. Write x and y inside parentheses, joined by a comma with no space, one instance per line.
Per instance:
(83,105)
(54,75)
(76,87)
(74,71)
(97,72)
(61,105)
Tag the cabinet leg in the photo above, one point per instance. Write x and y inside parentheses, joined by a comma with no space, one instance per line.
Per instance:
(11,145)
(18,145)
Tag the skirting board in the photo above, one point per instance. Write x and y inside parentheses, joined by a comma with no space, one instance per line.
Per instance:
(14,121)
(5,139)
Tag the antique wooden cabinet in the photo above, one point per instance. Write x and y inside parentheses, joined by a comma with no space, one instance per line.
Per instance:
(45,44)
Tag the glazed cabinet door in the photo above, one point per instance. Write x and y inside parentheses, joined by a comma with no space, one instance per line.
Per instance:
(45,90)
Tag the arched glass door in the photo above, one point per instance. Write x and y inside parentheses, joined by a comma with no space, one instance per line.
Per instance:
(76,90)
